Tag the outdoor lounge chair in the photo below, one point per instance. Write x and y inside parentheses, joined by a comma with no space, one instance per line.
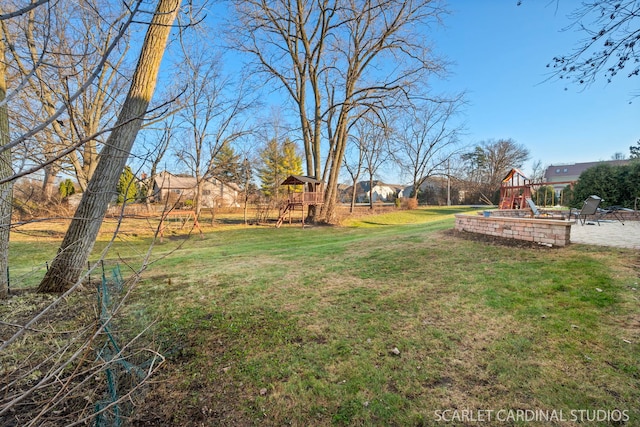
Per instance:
(538,214)
(614,211)
(589,208)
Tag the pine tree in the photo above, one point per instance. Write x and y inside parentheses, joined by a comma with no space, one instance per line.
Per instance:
(227,166)
(127,186)
(279,160)
(66,188)
(635,151)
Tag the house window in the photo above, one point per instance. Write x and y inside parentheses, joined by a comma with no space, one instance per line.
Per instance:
(206,192)
(565,170)
(558,170)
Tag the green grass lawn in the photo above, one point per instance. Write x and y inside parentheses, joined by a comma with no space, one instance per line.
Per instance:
(386,320)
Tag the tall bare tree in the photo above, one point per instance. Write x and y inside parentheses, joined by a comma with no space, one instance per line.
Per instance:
(78,242)
(488,164)
(6,189)
(42,66)
(96,108)
(82,41)
(154,154)
(353,162)
(211,116)
(28,38)
(373,139)
(500,156)
(332,58)
(426,140)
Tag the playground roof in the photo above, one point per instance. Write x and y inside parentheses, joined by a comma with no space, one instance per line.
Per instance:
(514,172)
(298,180)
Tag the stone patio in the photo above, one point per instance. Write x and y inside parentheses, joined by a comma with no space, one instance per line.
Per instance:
(608,233)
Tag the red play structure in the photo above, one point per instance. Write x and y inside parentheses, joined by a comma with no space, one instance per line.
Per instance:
(514,190)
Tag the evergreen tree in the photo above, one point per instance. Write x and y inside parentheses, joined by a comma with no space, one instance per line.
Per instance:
(227,166)
(634,151)
(127,186)
(617,185)
(66,188)
(279,160)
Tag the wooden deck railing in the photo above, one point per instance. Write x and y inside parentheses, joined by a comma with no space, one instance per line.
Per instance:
(306,198)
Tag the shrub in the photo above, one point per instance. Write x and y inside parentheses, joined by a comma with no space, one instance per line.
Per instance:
(127,186)
(616,185)
(409,203)
(66,188)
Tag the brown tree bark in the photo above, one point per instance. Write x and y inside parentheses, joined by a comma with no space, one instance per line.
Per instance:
(80,238)
(6,189)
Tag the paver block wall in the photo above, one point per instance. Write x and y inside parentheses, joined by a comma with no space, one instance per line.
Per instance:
(526,213)
(547,231)
(515,213)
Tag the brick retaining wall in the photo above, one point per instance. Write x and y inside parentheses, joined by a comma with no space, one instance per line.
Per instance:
(512,213)
(549,231)
(625,215)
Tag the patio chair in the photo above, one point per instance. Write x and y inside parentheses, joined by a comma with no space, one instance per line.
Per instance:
(614,211)
(536,213)
(589,208)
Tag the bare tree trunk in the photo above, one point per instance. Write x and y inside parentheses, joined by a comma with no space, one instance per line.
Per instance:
(370,191)
(81,235)
(353,196)
(197,202)
(158,153)
(6,189)
(48,183)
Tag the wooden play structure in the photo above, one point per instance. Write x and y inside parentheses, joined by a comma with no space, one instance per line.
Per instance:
(515,189)
(303,191)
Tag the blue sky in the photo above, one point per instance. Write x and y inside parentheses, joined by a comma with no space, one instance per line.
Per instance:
(500,51)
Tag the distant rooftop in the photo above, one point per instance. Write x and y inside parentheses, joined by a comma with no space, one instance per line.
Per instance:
(569,172)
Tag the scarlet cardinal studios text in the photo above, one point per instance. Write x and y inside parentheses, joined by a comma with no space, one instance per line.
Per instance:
(530,415)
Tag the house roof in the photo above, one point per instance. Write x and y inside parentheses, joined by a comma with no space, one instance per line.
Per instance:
(170,181)
(571,172)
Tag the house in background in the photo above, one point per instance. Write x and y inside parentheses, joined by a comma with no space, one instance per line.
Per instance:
(380,192)
(559,176)
(436,190)
(178,188)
